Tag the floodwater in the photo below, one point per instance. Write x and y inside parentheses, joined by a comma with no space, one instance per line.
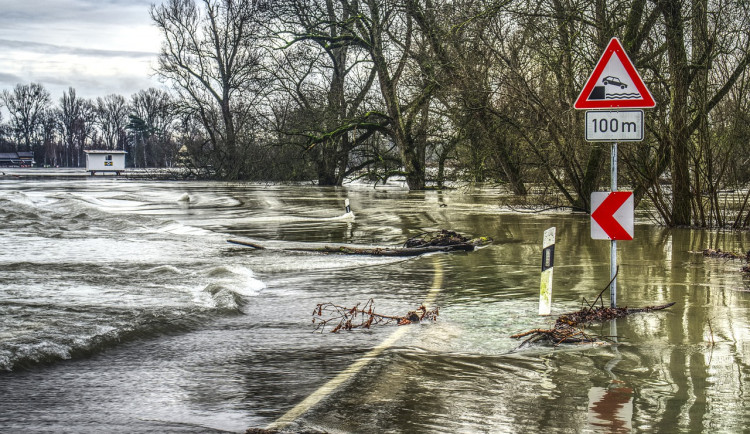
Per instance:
(124,309)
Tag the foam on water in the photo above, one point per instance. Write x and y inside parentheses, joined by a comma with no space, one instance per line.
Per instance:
(288,218)
(182,229)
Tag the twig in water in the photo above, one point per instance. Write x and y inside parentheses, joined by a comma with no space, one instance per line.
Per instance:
(365,317)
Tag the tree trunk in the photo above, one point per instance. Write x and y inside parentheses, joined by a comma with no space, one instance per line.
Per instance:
(678,136)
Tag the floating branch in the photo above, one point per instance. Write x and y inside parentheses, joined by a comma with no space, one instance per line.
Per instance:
(349,318)
(439,241)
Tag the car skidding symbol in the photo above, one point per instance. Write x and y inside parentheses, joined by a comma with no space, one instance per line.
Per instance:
(614,81)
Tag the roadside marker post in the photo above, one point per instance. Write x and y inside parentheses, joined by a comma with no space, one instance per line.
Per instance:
(548,263)
(612,91)
(347,208)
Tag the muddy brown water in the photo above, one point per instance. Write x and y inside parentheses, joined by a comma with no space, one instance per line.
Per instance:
(123,308)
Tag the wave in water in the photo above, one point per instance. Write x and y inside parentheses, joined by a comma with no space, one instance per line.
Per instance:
(230,285)
(79,279)
(65,337)
(36,333)
(623,96)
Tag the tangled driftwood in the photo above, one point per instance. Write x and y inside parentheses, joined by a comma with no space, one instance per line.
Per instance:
(570,327)
(720,254)
(442,238)
(350,318)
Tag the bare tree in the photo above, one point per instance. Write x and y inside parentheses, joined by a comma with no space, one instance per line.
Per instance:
(76,121)
(26,104)
(324,74)
(699,53)
(463,36)
(49,137)
(689,66)
(150,120)
(112,115)
(386,34)
(210,56)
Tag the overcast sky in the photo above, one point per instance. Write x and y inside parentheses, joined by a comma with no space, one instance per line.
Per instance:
(98,47)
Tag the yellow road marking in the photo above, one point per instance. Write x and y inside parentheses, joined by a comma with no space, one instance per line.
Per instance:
(325,390)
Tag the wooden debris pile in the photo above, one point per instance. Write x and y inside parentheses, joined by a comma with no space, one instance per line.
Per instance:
(443,238)
(347,318)
(570,328)
(720,254)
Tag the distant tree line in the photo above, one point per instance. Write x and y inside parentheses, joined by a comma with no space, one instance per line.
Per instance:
(146,126)
(431,90)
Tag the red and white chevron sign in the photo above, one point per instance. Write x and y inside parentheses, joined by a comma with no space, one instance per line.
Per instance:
(612,215)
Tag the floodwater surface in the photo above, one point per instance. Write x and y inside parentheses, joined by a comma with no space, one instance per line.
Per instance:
(124,309)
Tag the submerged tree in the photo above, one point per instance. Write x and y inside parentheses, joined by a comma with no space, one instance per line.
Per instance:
(210,55)
(324,77)
(703,64)
(463,37)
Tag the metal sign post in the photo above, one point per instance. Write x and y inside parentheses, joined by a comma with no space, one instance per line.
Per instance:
(612,91)
(613,243)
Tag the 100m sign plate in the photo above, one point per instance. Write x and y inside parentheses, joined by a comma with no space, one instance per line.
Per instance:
(614,126)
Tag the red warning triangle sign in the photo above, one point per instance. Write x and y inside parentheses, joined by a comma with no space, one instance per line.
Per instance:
(614,83)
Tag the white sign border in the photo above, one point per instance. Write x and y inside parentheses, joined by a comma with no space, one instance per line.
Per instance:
(613,140)
(625,215)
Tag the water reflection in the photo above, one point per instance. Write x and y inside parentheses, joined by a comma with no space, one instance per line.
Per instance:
(610,409)
(664,372)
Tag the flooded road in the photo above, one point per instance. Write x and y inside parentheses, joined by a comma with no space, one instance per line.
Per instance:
(123,308)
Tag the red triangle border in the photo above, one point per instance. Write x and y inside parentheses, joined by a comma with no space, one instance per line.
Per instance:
(614,47)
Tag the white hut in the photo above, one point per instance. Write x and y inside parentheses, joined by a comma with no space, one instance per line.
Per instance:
(105,161)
